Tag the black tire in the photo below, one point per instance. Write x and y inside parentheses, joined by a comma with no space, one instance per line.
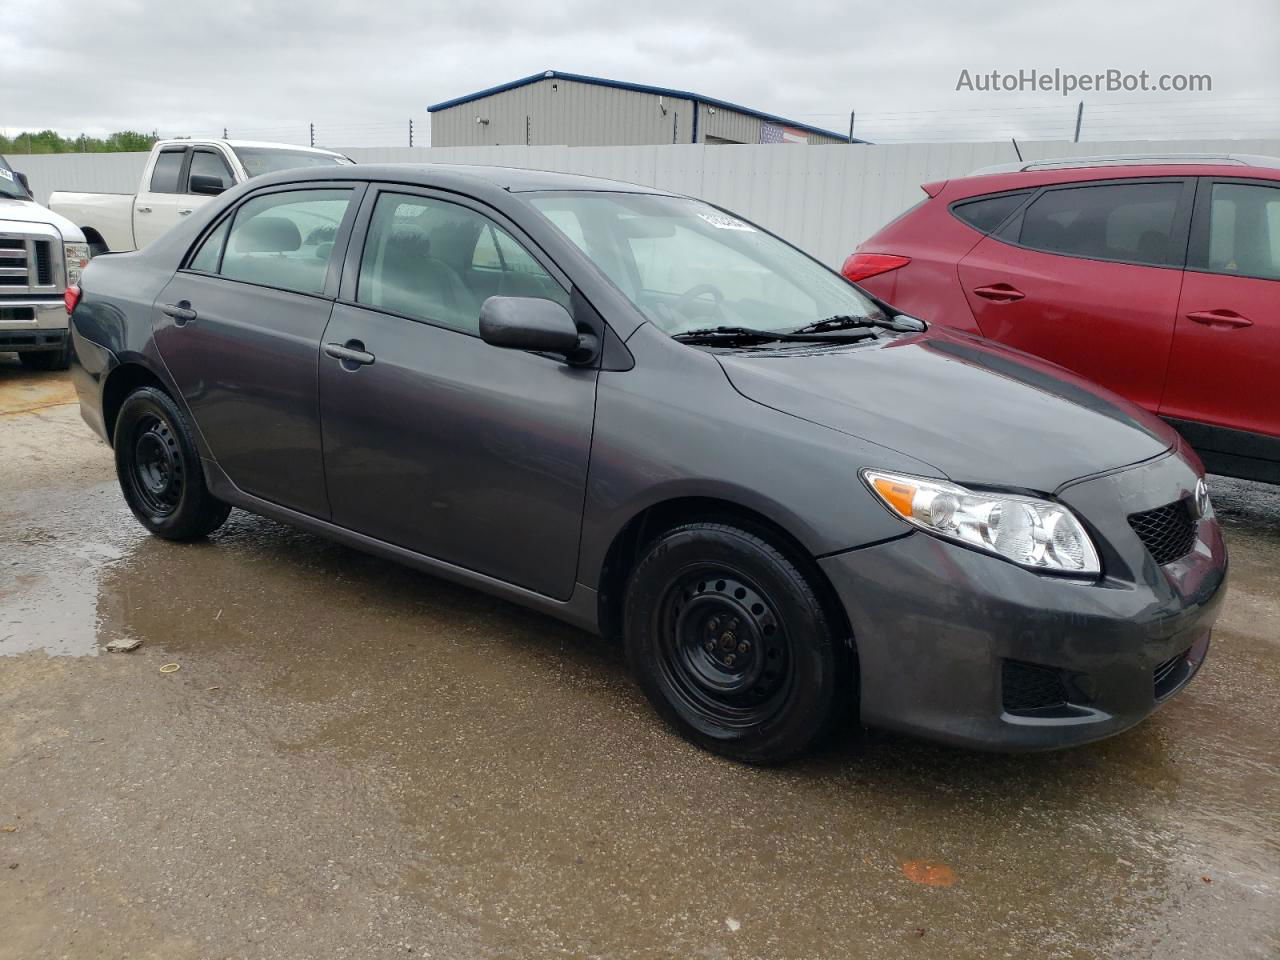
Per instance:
(732,645)
(58,359)
(158,467)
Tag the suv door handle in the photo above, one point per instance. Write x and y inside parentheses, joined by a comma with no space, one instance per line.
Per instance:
(181,312)
(1220,318)
(999,293)
(352,354)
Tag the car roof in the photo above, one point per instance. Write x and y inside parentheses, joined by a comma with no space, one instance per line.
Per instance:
(261,144)
(461,176)
(1091,169)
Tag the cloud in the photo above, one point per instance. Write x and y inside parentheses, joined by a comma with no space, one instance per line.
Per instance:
(360,71)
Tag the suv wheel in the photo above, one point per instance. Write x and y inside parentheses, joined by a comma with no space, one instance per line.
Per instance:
(159,469)
(729,641)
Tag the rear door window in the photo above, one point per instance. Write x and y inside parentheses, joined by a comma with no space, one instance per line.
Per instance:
(987,213)
(283,240)
(164,176)
(1125,222)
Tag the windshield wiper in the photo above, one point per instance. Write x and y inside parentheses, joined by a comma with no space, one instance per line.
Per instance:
(731,335)
(900,322)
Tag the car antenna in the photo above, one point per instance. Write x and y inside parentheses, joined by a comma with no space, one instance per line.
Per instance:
(1014,141)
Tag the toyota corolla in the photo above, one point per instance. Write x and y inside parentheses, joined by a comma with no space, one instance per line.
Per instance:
(653,419)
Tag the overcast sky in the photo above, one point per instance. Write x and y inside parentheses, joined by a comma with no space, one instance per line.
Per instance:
(361,70)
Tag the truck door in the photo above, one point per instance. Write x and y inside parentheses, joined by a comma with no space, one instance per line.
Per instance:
(155,208)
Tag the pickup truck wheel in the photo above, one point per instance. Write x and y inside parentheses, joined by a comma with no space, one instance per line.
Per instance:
(730,643)
(159,470)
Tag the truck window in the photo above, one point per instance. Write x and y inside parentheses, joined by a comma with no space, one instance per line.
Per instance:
(164,178)
(209,163)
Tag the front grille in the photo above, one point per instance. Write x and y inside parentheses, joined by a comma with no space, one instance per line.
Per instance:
(13,262)
(1168,674)
(44,264)
(1025,686)
(1168,532)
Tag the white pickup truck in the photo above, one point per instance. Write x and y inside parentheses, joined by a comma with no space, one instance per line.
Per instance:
(179,176)
(41,254)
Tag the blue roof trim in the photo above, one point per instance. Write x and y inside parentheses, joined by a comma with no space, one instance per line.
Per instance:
(638,88)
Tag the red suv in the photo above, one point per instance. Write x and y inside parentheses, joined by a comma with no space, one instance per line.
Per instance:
(1157,277)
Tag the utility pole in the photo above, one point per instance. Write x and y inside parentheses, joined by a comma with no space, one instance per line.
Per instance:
(411,131)
(313,134)
(1079,118)
(852,115)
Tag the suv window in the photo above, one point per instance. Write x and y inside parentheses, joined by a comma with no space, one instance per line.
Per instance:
(209,163)
(438,261)
(1128,222)
(987,213)
(164,176)
(282,240)
(1244,231)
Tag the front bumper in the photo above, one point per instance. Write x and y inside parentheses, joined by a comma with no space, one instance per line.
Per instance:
(37,324)
(952,642)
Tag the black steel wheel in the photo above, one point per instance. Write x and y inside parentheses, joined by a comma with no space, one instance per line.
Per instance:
(158,466)
(731,644)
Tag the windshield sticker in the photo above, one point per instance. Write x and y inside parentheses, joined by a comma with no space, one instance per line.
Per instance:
(7,174)
(722,221)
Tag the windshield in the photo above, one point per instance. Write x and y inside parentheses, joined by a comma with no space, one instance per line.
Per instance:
(9,185)
(688,266)
(260,160)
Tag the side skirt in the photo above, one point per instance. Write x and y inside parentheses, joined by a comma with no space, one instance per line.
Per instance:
(1232,453)
(580,610)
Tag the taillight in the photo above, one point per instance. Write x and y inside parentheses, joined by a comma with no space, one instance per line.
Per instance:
(860,266)
(71,298)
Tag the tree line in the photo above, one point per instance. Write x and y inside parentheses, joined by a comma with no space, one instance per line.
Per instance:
(50,141)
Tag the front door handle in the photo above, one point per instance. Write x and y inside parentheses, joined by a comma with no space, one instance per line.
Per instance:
(144,209)
(181,312)
(352,354)
(999,293)
(1220,318)
(183,213)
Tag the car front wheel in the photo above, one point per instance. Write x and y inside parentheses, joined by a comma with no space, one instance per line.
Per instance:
(158,466)
(730,642)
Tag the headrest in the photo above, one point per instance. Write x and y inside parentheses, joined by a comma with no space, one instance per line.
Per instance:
(267,235)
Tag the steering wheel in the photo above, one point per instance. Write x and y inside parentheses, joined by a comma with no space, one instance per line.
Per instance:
(688,300)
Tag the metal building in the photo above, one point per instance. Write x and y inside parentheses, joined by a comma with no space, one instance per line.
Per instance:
(568,109)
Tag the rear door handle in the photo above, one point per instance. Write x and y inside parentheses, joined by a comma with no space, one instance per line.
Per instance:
(999,293)
(183,213)
(1220,318)
(352,354)
(181,312)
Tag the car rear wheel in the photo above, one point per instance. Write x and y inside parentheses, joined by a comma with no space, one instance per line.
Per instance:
(158,466)
(730,642)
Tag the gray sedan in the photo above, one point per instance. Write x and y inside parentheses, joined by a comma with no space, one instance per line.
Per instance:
(655,420)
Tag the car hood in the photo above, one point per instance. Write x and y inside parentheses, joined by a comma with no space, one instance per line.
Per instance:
(27,211)
(978,412)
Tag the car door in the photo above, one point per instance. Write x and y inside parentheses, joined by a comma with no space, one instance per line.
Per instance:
(1088,276)
(1225,362)
(433,440)
(155,208)
(239,329)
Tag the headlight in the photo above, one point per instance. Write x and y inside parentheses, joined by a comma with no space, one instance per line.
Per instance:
(77,255)
(1032,533)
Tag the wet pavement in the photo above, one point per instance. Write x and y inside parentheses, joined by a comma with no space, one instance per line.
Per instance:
(356,760)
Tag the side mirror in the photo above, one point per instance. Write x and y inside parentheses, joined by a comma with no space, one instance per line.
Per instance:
(531,323)
(209,186)
(26,184)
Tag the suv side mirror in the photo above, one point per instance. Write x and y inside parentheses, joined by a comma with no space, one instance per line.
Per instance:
(209,186)
(531,323)
(26,184)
